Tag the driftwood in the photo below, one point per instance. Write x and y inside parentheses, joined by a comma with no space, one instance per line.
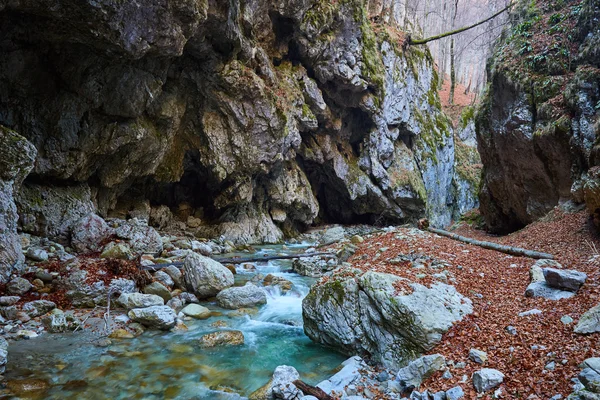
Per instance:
(234,260)
(311,390)
(515,251)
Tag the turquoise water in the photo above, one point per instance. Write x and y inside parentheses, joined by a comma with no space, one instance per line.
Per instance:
(171,365)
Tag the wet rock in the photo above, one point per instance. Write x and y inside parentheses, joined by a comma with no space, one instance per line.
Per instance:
(164,278)
(26,334)
(196,311)
(282,378)
(486,379)
(589,321)
(564,279)
(273,280)
(234,298)
(121,334)
(418,370)
(139,300)
(349,373)
(117,250)
(158,289)
(332,235)
(480,357)
(142,238)
(27,387)
(205,277)
(88,233)
(222,338)
(3,354)
(365,314)
(18,286)
(154,317)
(38,307)
(37,254)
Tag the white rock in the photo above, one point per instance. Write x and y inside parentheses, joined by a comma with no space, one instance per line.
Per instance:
(486,379)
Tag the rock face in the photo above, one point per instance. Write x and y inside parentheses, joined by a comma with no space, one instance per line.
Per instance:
(538,124)
(245,110)
(16,162)
(204,276)
(363,314)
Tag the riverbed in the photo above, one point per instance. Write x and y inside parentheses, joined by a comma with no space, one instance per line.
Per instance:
(171,365)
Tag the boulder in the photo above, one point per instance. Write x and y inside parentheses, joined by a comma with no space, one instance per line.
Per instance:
(139,300)
(278,385)
(38,307)
(222,338)
(9,300)
(273,280)
(332,235)
(164,278)
(83,294)
(88,233)
(160,217)
(590,378)
(143,239)
(59,322)
(365,314)
(478,356)
(564,279)
(121,251)
(158,289)
(154,317)
(542,289)
(350,373)
(314,266)
(175,274)
(411,376)
(204,276)
(37,254)
(18,286)
(486,379)
(196,311)
(249,295)
(456,393)
(589,321)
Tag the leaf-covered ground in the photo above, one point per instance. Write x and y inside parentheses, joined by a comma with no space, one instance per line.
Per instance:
(496,284)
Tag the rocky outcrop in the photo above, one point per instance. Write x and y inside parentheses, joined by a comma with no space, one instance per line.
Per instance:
(260,116)
(538,124)
(16,161)
(365,314)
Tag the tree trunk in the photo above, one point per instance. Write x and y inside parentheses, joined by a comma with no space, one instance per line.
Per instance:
(312,391)
(452,73)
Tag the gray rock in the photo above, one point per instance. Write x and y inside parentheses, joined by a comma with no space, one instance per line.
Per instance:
(120,251)
(480,357)
(364,314)
(188,298)
(204,276)
(564,279)
(590,379)
(80,292)
(486,379)
(534,311)
(349,373)
(332,235)
(8,300)
(589,321)
(139,300)
(593,363)
(196,311)
(202,248)
(175,274)
(455,393)
(541,289)
(121,285)
(3,354)
(156,317)
(175,303)
(59,322)
(88,233)
(38,307)
(18,286)
(282,385)
(249,295)
(420,369)
(311,266)
(164,278)
(142,238)
(37,254)
(566,319)
(158,289)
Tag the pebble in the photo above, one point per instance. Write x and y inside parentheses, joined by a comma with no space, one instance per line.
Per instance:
(511,330)
(566,319)
(550,366)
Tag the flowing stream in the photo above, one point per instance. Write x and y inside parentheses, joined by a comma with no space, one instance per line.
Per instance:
(171,365)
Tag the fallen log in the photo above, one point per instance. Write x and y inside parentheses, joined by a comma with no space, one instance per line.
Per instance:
(239,260)
(515,251)
(311,390)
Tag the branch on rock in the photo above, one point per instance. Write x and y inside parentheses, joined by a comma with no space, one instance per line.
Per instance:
(311,390)
(156,267)
(515,251)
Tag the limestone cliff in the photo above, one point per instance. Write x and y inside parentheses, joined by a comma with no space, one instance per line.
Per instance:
(538,125)
(261,117)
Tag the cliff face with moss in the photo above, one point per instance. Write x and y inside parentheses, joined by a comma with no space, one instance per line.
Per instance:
(257,118)
(538,125)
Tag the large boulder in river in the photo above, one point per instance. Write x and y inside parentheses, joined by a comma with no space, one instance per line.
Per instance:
(364,314)
(204,276)
(158,317)
(16,161)
(241,297)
